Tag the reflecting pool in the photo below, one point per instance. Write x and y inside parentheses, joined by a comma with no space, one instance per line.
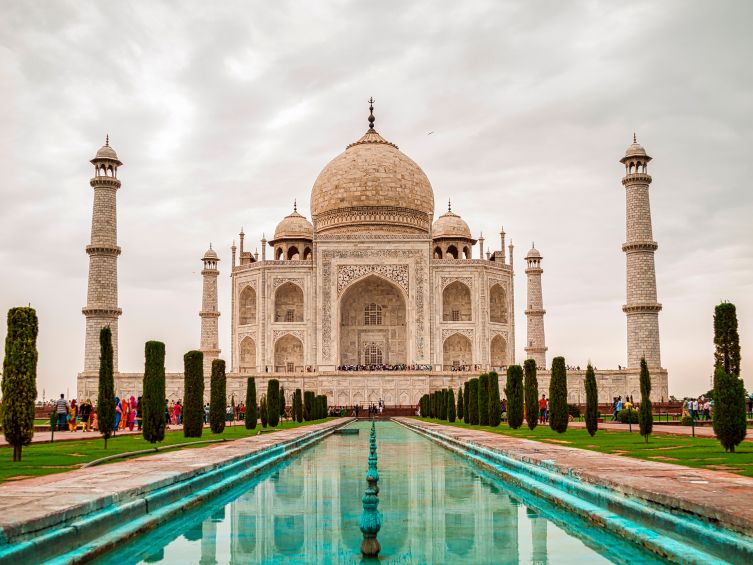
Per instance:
(437,508)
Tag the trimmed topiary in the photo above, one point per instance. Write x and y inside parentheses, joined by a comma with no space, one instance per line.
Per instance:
(531,391)
(308,405)
(106,393)
(729,418)
(466,401)
(483,400)
(251,414)
(153,398)
(460,404)
(495,407)
(645,413)
(473,401)
(217,395)
(193,394)
(20,378)
(514,393)
(273,402)
(726,339)
(592,401)
(451,406)
(263,415)
(558,416)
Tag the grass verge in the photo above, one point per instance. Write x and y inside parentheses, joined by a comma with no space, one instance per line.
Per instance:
(59,457)
(702,453)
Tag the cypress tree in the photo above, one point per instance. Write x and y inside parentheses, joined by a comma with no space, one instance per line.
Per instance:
(153,399)
(592,400)
(558,414)
(460,403)
(729,418)
(514,393)
(443,404)
(20,378)
(308,405)
(282,403)
(432,403)
(466,401)
(645,414)
(106,394)
(193,394)
(263,416)
(483,400)
(217,397)
(451,406)
(294,412)
(299,408)
(495,408)
(425,406)
(273,402)
(251,415)
(531,391)
(473,401)
(726,339)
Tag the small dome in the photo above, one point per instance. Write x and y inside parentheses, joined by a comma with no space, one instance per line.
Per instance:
(450,225)
(533,253)
(294,226)
(635,149)
(211,254)
(106,152)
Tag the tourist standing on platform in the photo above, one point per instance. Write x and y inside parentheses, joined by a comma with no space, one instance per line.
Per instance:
(542,409)
(118,413)
(61,409)
(84,413)
(72,413)
(132,413)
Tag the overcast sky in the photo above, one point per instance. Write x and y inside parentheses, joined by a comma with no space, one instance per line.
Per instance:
(224,112)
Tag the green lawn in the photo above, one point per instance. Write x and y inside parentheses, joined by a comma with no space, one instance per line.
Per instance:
(48,458)
(705,453)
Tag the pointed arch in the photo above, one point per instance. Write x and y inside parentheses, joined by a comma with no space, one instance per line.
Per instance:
(288,354)
(456,303)
(457,351)
(247,306)
(497,304)
(293,254)
(498,351)
(452,252)
(289,303)
(437,252)
(247,354)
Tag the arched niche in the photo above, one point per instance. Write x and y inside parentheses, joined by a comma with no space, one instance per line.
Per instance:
(293,254)
(452,252)
(289,303)
(288,354)
(498,351)
(248,354)
(456,303)
(247,306)
(437,252)
(498,304)
(457,351)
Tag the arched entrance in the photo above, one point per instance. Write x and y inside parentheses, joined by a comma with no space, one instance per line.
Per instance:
(498,352)
(373,324)
(288,354)
(457,351)
(248,355)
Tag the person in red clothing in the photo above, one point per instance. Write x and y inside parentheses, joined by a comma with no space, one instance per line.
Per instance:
(542,409)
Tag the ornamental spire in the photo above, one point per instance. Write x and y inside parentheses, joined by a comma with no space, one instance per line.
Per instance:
(634,138)
(449,205)
(371,114)
(295,204)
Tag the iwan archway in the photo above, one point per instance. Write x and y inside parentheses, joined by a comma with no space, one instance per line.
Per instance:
(373,324)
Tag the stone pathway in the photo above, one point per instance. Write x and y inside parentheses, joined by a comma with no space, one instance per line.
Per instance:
(714,495)
(34,504)
(705,431)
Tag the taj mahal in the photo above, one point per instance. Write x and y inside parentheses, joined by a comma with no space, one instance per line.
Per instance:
(373,298)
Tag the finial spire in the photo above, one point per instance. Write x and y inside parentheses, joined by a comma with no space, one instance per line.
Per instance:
(295,205)
(449,205)
(533,245)
(210,245)
(634,138)
(371,113)
(107,140)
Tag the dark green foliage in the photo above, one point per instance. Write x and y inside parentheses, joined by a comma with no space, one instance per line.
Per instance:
(20,378)
(531,391)
(729,409)
(217,411)
(193,394)
(321,406)
(726,339)
(282,403)
(592,401)
(263,415)
(514,393)
(308,405)
(558,396)
(298,405)
(460,404)
(627,416)
(106,394)
(645,416)
(483,400)
(443,404)
(273,402)
(466,402)
(251,414)
(451,405)
(433,405)
(473,401)
(153,399)
(573,410)
(495,407)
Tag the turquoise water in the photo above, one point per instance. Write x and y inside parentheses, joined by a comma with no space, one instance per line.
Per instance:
(437,508)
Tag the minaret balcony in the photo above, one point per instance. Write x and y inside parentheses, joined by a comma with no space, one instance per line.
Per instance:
(535,312)
(104,312)
(111,182)
(209,314)
(642,308)
(636,178)
(638,246)
(103,250)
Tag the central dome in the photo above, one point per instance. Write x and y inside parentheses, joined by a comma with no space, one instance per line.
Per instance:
(373,187)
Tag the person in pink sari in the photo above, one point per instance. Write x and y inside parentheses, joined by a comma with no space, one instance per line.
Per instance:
(132,413)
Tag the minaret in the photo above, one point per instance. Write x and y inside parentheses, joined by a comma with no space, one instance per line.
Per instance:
(536,344)
(481,246)
(642,309)
(209,312)
(102,297)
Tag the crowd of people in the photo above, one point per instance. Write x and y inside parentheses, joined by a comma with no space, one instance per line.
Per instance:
(74,415)
(384,367)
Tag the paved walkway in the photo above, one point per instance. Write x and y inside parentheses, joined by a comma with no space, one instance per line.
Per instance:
(700,431)
(714,495)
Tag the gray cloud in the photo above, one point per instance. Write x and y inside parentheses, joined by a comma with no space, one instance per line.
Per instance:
(223,114)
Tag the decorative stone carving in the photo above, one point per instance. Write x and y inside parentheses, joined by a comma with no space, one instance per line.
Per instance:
(246,333)
(447,332)
(326,289)
(277,334)
(348,274)
(467,281)
(495,333)
(277,281)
